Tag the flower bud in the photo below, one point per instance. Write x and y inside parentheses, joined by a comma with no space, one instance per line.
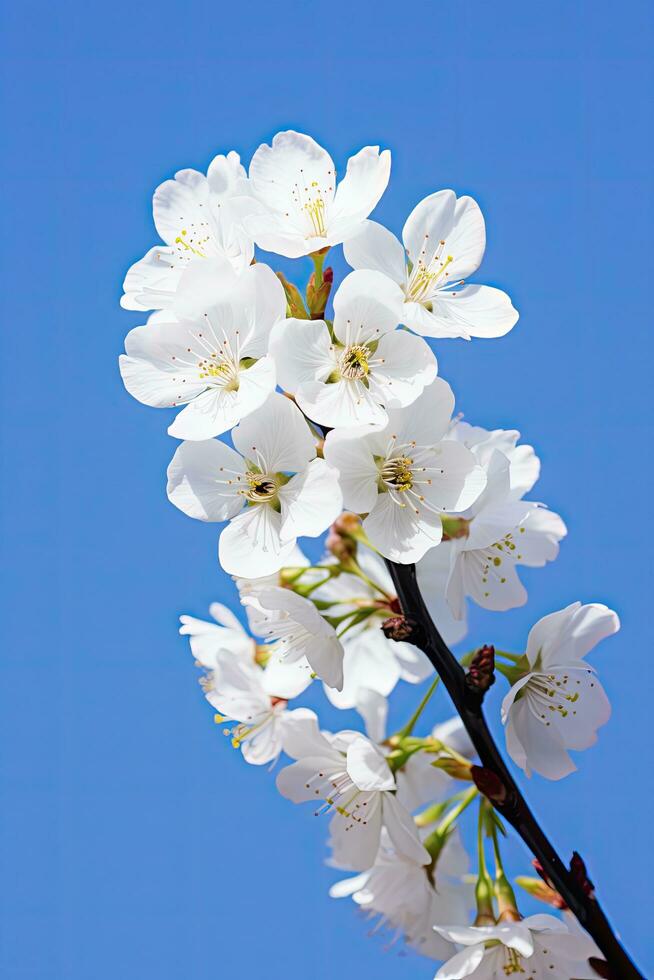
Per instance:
(317,297)
(294,300)
(456,768)
(481,673)
(540,890)
(398,628)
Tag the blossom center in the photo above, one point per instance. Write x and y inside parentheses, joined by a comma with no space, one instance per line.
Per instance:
(191,243)
(427,277)
(312,202)
(354,363)
(397,473)
(549,693)
(262,487)
(512,962)
(219,371)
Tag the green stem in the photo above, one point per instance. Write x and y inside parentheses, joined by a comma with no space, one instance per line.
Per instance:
(456,811)
(318,262)
(484,888)
(411,723)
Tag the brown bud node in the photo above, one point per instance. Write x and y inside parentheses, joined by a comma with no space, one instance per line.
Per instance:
(481,673)
(578,871)
(489,784)
(398,628)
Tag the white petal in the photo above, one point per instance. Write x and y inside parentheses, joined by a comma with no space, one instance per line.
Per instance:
(310,501)
(459,223)
(456,479)
(402,830)
(325,654)
(158,369)
(403,364)
(492,586)
(543,747)
(373,708)
(479,311)
(375,247)
(358,472)
(263,747)
(369,663)
(340,404)
(203,480)
(151,282)
(217,410)
(251,545)
(538,536)
(302,350)
(366,306)
(289,167)
(348,886)
(399,533)
(284,680)
(427,419)
(356,848)
(292,780)
(367,766)
(365,180)
(225,175)
(421,320)
(279,434)
(462,964)
(302,736)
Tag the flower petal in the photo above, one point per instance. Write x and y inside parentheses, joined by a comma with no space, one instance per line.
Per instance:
(276,437)
(204,479)
(402,830)
(366,306)
(302,350)
(310,501)
(365,180)
(399,533)
(402,366)
(375,247)
(251,546)
(347,451)
(458,224)
(476,311)
(462,964)
(367,766)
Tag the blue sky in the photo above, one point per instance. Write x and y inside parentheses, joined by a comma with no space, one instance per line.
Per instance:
(134,843)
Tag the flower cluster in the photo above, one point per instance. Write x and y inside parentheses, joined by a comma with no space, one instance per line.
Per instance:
(299,413)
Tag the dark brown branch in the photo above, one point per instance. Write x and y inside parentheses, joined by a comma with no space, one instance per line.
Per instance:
(497,783)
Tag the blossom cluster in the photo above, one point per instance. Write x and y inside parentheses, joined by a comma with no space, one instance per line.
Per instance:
(291,423)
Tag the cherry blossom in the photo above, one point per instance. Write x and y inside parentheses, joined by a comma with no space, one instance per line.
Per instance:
(301,207)
(404,475)
(271,488)
(444,240)
(558,704)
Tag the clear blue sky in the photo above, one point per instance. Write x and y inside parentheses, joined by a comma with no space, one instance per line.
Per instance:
(134,842)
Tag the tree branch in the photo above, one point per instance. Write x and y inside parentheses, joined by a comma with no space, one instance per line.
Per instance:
(500,787)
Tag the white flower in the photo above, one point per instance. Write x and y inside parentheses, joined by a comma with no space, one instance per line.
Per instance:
(559,704)
(227,633)
(346,378)
(404,476)
(353,780)
(256,699)
(198,217)
(271,488)
(214,359)
(504,531)
(301,208)
(401,891)
(537,948)
(433,572)
(297,631)
(444,239)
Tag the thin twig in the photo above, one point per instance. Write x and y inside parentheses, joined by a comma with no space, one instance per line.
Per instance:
(504,793)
